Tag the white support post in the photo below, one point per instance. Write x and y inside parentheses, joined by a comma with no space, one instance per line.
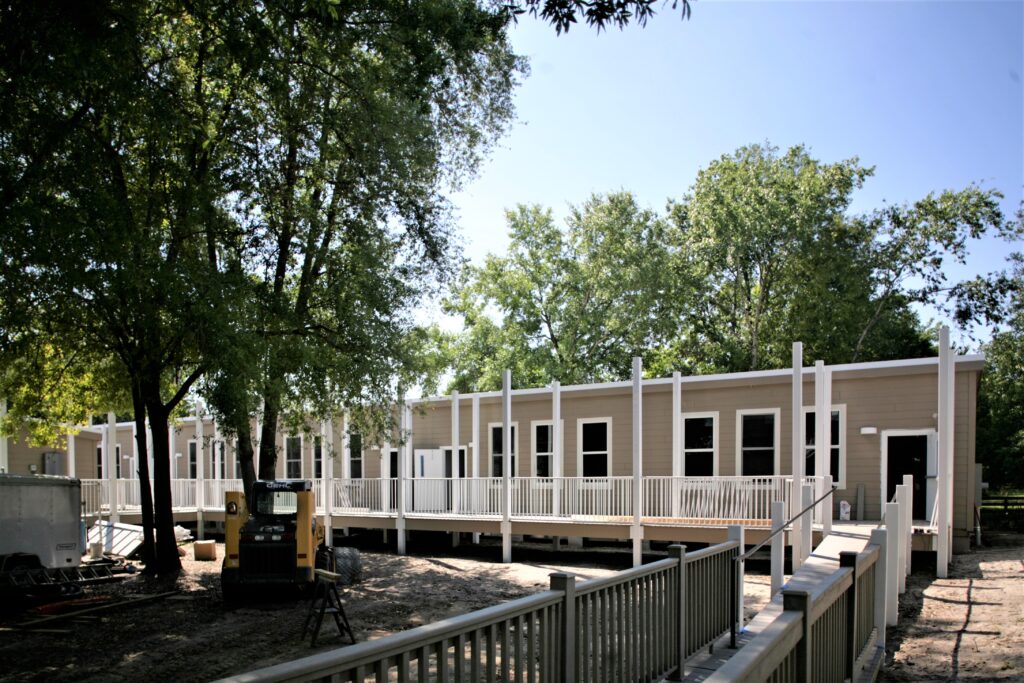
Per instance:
(945,432)
(455,489)
(950,447)
(72,464)
(149,453)
(892,568)
(822,433)
(908,519)
(5,462)
(637,532)
(133,471)
(899,527)
(170,450)
(109,454)
(806,540)
(200,472)
(677,440)
(797,454)
(404,458)
(346,452)
(778,546)
(735,533)
(506,466)
(327,472)
(879,538)
(828,509)
(558,464)
(476,459)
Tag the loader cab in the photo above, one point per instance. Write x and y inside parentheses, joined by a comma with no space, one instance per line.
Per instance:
(273,540)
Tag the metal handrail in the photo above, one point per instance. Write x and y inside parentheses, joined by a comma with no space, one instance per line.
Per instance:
(785,524)
(734,602)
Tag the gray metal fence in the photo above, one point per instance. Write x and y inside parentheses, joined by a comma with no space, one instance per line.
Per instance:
(626,627)
(829,635)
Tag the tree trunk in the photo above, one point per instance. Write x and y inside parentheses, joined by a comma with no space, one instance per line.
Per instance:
(167,560)
(244,455)
(268,437)
(145,493)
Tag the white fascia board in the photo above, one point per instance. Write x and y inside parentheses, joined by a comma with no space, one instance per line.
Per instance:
(782,375)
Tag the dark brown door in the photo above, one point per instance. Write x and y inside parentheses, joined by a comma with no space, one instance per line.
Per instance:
(909,455)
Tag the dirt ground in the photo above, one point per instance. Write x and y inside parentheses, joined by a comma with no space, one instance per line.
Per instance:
(193,636)
(967,627)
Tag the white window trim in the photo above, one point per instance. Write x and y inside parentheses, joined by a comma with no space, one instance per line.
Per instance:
(713,414)
(238,463)
(777,412)
(533,445)
(312,456)
(302,451)
(455,463)
(490,444)
(579,442)
(838,478)
(362,457)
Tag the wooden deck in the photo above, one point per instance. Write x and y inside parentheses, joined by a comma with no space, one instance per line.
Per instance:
(845,536)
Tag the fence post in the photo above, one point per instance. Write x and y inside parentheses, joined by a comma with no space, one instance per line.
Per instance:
(848,558)
(736,534)
(678,553)
(878,537)
(892,556)
(806,498)
(827,509)
(801,601)
(900,527)
(566,584)
(778,546)
(908,481)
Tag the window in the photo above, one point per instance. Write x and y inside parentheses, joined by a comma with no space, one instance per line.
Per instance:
(837,465)
(99,462)
(355,456)
(449,468)
(238,462)
(542,447)
(193,451)
(117,461)
(293,457)
(318,458)
(218,459)
(700,445)
(758,440)
(393,463)
(497,444)
(594,446)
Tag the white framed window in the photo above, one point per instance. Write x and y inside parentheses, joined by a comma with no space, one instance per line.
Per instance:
(117,461)
(700,445)
(495,445)
(542,447)
(293,457)
(318,458)
(355,456)
(757,442)
(238,462)
(594,446)
(837,444)
(193,452)
(99,462)
(451,470)
(219,459)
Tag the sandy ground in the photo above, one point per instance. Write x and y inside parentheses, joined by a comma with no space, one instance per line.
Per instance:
(192,636)
(967,627)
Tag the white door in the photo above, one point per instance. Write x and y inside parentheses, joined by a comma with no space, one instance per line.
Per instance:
(429,485)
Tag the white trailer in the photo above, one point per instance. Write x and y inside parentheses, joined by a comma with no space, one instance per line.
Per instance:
(40,516)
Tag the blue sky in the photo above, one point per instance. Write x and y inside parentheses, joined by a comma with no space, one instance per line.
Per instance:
(930,93)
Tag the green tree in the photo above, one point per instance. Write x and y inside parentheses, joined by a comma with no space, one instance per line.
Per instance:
(573,305)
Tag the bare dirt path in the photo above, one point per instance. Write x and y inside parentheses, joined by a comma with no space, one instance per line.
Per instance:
(192,636)
(967,627)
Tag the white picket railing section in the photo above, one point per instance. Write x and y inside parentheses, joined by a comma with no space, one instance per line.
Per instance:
(722,500)
(718,498)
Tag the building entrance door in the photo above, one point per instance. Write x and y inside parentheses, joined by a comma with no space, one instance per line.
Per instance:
(912,454)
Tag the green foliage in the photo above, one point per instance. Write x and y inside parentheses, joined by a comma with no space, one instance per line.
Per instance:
(1000,441)
(575,306)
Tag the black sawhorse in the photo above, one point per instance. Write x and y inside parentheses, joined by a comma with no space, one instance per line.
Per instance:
(326,601)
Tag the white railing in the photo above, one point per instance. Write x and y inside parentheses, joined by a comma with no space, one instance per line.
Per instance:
(596,497)
(365,496)
(94,496)
(214,490)
(129,495)
(183,493)
(730,499)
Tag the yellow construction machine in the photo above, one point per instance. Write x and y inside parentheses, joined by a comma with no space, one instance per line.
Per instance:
(274,543)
